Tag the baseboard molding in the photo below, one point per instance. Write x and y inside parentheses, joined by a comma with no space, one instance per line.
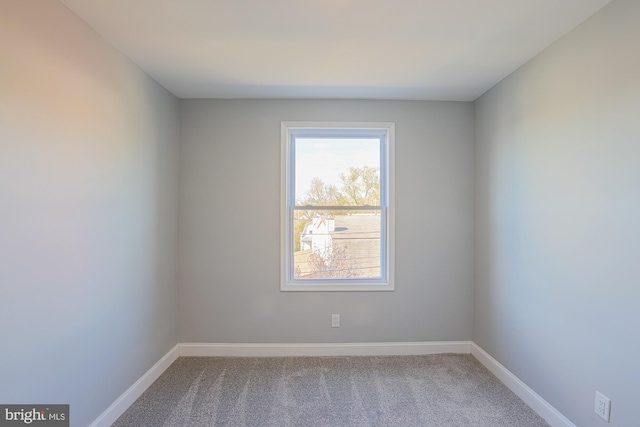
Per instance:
(524,392)
(543,408)
(127,398)
(324,349)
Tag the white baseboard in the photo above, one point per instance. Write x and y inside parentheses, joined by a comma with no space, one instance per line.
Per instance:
(523,391)
(127,398)
(324,349)
(530,397)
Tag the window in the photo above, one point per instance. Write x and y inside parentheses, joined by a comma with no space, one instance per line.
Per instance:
(337,206)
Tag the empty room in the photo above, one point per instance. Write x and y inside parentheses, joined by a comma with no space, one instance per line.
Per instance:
(319,213)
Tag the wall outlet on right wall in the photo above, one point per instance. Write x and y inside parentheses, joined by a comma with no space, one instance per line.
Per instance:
(603,406)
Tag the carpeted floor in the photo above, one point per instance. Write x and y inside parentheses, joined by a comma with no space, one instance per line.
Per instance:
(384,391)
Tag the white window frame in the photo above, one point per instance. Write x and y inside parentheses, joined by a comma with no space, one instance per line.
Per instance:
(289,130)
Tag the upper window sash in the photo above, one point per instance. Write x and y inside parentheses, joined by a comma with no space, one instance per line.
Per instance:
(381,134)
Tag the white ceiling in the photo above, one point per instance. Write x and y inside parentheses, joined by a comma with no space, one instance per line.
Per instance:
(363,49)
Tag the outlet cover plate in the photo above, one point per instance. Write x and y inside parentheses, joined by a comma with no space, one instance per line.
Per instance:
(603,406)
(335,320)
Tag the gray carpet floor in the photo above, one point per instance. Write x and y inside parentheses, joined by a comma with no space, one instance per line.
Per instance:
(377,391)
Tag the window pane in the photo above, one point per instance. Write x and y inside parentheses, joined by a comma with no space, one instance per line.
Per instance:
(337,245)
(337,172)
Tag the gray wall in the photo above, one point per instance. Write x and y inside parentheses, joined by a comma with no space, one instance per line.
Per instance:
(88,214)
(557,290)
(229,214)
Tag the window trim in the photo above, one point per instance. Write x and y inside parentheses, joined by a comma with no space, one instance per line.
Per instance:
(387,166)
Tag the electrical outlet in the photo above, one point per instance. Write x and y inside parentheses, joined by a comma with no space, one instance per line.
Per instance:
(335,320)
(603,406)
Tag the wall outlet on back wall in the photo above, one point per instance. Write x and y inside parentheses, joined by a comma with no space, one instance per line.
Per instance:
(335,320)
(603,406)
